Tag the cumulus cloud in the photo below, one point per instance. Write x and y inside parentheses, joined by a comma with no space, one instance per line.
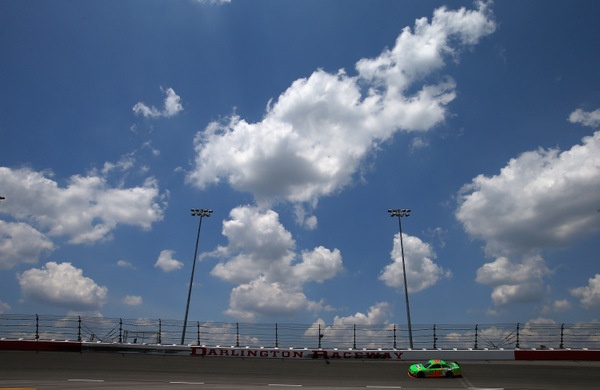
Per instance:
(421,271)
(585,118)
(87,210)
(589,296)
(318,265)
(166,262)
(172,107)
(512,283)
(557,306)
(378,314)
(315,135)
(21,244)
(261,258)
(258,244)
(62,285)
(542,199)
(343,327)
(261,298)
(132,300)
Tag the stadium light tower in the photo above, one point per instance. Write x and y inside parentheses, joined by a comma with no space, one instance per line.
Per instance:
(195,213)
(403,213)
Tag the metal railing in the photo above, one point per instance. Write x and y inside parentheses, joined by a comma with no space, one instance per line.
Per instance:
(289,335)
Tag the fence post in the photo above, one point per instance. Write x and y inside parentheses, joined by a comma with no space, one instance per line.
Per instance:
(354,337)
(517,335)
(562,335)
(434,338)
(476,334)
(120,330)
(320,336)
(159,337)
(237,334)
(394,336)
(276,336)
(198,326)
(37,327)
(79,328)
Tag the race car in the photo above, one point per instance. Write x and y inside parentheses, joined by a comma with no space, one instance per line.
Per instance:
(435,368)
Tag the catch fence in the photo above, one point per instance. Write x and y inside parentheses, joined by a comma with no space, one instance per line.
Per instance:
(289,335)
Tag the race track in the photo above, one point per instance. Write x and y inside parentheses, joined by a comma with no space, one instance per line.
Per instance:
(68,370)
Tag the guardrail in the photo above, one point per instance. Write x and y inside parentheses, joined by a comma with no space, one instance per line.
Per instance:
(288,335)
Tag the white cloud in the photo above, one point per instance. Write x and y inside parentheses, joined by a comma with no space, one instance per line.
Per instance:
(4,307)
(142,109)
(125,264)
(314,137)
(557,306)
(342,327)
(262,298)
(378,314)
(513,283)
(84,313)
(561,305)
(531,324)
(589,296)
(87,210)
(125,163)
(318,265)
(421,271)
(585,118)
(172,106)
(260,257)
(258,245)
(166,262)
(418,143)
(62,285)
(542,199)
(21,244)
(214,2)
(132,300)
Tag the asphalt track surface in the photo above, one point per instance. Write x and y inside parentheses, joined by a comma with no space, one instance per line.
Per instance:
(68,370)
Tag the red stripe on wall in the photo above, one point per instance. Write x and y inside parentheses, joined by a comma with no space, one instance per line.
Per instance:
(25,345)
(562,354)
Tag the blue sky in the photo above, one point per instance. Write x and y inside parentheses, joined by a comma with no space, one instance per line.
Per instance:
(300,124)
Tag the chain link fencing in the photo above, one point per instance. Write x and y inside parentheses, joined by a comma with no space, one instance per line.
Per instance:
(289,335)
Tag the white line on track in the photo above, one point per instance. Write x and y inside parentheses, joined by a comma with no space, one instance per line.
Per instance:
(85,380)
(186,383)
(384,387)
(283,385)
(486,388)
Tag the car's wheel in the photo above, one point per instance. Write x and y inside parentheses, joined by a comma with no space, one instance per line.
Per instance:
(420,374)
(449,374)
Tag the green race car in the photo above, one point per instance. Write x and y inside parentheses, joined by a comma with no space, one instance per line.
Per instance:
(435,368)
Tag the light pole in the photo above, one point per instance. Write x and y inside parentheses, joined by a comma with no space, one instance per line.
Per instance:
(403,213)
(195,213)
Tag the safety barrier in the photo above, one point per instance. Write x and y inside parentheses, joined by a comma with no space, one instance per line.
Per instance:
(302,353)
(541,336)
